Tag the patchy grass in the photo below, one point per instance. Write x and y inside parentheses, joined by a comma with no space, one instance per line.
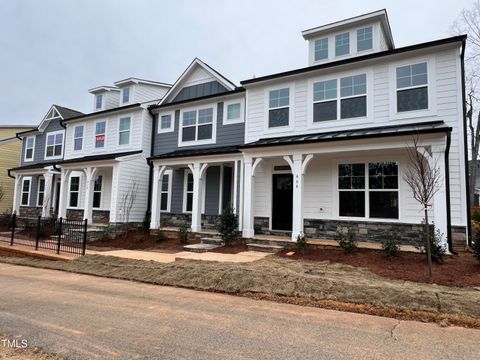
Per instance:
(321,284)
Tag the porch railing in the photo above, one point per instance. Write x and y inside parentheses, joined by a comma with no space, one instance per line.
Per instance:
(58,235)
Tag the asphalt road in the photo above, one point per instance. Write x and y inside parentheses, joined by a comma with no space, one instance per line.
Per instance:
(86,317)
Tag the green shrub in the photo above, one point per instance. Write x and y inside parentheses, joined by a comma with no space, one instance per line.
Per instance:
(476,246)
(347,241)
(146,222)
(301,244)
(183,232)
(475,215)
(6,219)
(160,236)
(390,245)
(228,226)
(437,249)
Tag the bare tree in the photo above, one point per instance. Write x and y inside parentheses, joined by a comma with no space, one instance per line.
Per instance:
(424,179)
(128,200)
(468,23)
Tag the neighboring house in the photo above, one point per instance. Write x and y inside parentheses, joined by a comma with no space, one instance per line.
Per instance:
(198,129)
(325,145)
(37,179)
(104,173)
(10,149)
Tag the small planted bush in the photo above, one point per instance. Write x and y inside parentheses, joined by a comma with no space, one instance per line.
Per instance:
(437,249)
(146,222)
(347,241)
(183,232)
(476,246)
(301,244)
(390,245)
(228,226)
(160,236)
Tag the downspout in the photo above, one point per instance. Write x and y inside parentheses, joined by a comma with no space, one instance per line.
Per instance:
(10,175)
(62,124)
(56,168)
(447,195)
(465,141)
(150,175)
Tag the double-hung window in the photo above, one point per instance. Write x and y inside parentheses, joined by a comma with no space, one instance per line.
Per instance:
(164,193)
(279,107)
(97,192)
(197,125)
(125,95)
(98,102)
(412,87)
(29,148)
(364,39)
(100,128)
(342,44)
(26,191)
(325,100)
(78,137)
(353,96)
(188,194)
(380,195)
(124,131)
(54,145)
(165,123)
(321,49)
(41,191)
(74,191)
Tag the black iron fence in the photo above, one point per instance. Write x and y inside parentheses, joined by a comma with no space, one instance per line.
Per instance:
(52,234)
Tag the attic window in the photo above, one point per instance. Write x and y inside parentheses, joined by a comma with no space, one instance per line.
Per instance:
(126,95)
(364,39)
(98,101)
(342,44)
(321,49)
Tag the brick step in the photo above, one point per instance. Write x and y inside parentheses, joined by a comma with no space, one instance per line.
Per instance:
(264,247)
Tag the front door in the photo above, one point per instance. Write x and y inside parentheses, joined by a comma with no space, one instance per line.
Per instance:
(57,198)
(282,201)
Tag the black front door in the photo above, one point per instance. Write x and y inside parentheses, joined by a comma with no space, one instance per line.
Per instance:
(57,198)
(282,201)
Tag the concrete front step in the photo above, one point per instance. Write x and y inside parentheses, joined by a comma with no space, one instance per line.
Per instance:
(264,247)
(200,248)
(212,241)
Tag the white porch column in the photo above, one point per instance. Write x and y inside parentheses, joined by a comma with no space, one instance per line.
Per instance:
(298,165)
(158,172)
(198,170)
(17,194)
(47,196)
(114,195)
(439,198)
(62,203)
(89,184)
(248,195)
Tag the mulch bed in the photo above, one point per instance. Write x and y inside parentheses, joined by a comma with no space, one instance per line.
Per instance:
(231,249)
(460,270)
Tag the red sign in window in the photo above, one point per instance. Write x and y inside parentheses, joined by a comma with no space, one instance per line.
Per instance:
(100,137)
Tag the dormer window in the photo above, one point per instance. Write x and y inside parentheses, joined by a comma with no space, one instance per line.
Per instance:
(125,95)
(321,49)
(342,44)
(29,148)
(98,101)
(364,39)
(54,145)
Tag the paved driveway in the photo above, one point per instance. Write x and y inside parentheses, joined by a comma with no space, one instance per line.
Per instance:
(85,317)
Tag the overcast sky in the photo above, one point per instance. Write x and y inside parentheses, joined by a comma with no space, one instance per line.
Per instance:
(52,52)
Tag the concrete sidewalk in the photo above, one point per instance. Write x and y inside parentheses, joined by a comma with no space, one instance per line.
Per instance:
(245,256)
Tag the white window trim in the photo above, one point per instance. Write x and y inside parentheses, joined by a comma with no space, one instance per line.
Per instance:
(213,140)
(29,178)
(63,144)
(38,190)
(95,102)
(350,48)
(95,135)
(169,191)
(70,191)
(373,39)
(129,131)
(291,105)
(241,119)
(130,95)
(414,114)
(74,138)
(328,49)
(366,160)
(339,122)
(96,191)
(172,123)
(33,148)
(184,203)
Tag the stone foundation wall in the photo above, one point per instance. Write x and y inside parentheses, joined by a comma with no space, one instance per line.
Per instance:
(30,211)
(75,214)
(209,222)
(261,225)
(101,216)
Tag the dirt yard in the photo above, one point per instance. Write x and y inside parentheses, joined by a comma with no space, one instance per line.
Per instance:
(461,270)
(322,284)
(23,354)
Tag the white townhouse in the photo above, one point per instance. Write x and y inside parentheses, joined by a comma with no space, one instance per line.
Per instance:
(325,145)
(104,172)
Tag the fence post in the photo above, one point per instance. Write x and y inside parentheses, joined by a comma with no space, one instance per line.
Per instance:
(59,235)
(84,245)
(39,223)
(14,222)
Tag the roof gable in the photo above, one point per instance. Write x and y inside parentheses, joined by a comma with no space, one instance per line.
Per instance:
(195,77)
